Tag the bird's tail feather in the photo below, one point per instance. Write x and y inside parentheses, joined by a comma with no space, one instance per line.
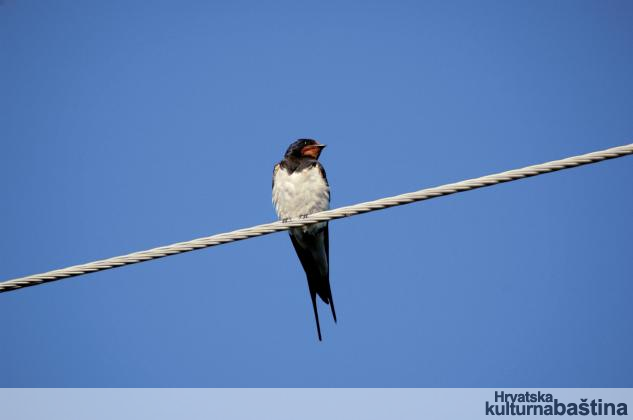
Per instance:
(332,308)
(316,313)
(318,277)
(322,285)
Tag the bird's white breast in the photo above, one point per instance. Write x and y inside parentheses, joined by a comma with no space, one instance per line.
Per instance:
(300,193)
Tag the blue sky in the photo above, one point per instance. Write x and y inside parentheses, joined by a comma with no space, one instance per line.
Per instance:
(130,125)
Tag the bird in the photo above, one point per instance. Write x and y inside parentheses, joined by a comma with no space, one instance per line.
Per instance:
(300,188)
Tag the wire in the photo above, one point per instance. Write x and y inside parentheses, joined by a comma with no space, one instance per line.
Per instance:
(338,213)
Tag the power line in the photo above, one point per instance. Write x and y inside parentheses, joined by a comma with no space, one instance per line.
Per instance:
(265,229)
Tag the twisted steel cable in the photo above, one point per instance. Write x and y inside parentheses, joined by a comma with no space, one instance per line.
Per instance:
(265,229)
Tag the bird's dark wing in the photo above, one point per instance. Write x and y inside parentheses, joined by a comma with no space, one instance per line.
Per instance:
(312,248)
(275,173)
(326,241)
(322,170)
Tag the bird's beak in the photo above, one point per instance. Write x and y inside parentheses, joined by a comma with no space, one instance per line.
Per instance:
(313,150)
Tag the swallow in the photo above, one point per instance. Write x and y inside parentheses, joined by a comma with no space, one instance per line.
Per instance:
(300,188)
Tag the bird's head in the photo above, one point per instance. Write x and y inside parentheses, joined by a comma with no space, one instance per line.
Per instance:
(305,148)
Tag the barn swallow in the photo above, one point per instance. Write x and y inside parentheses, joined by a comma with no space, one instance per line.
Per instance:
(300,188)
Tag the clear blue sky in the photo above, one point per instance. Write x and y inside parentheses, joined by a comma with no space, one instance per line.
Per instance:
(126,125)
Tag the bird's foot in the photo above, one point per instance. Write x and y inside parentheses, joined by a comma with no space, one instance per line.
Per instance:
(304,216)
(285,219)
